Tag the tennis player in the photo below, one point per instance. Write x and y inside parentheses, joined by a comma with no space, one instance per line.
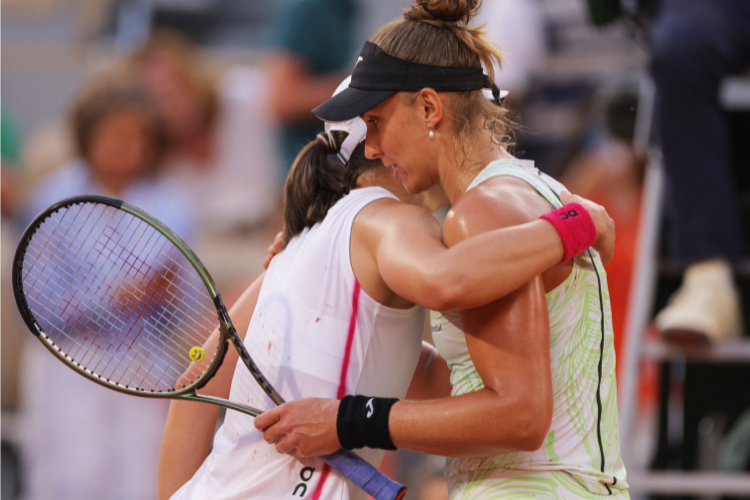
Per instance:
(335,315)
(534,406)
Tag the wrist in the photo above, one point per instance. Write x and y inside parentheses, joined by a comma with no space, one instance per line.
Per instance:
(362,422)
(575,227)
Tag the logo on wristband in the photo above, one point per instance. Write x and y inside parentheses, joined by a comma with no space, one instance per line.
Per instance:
(570,213)
(369,405)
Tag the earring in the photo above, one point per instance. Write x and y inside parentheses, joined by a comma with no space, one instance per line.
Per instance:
(432,132)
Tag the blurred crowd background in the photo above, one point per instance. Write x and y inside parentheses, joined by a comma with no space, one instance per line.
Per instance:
(194,110)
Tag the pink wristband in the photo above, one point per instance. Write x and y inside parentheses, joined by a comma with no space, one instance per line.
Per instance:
(575,227)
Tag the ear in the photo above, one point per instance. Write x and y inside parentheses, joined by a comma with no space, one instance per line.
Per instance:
(430,102)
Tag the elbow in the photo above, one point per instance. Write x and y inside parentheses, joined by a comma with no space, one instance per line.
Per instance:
(446,291)
(533,426)
(532,418)
(532,435)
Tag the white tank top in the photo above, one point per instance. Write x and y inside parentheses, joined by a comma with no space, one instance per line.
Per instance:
(314,333)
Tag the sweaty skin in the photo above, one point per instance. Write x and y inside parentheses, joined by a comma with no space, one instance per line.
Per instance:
(508,339)
(399,259)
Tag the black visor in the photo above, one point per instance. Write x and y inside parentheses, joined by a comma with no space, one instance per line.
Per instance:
(377,76)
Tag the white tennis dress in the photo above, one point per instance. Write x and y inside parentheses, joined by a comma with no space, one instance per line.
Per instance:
(314,333)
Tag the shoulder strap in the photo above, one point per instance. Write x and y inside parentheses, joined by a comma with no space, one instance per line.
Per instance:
(545,185)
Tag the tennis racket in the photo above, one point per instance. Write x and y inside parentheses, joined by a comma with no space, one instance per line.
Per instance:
(122,300)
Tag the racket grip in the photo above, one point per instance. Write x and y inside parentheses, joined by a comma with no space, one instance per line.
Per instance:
(365,476)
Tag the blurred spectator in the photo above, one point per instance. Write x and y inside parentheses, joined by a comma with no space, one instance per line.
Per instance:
(518,28)
(12,329)
(10,148)
(9,204)
(219,134)
(313,48)
(695,44)
(81,440)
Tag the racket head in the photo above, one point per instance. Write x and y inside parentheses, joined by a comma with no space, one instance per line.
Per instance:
(119,298)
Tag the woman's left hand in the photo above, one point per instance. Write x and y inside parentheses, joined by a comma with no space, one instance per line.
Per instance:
(304,428)
(605,226)
(273,250)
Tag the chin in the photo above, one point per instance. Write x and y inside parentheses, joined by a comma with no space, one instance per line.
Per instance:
(413,190)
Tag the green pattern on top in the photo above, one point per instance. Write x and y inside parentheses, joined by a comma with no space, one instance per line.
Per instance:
(572,444)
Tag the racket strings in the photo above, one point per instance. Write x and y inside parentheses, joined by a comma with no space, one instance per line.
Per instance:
(68,303)
(109,237)
(118,298)
(68,299)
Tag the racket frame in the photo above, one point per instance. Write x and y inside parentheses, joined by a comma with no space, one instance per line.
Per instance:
(225,324)
(356,469)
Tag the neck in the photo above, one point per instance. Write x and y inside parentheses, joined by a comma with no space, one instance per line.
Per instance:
(382,177)
(457,174)
(430,200)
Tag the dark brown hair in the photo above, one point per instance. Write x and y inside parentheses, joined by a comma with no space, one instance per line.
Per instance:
(112,94)
(434,32)
(318,180)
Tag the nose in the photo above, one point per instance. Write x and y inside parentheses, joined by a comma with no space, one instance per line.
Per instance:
(372,149)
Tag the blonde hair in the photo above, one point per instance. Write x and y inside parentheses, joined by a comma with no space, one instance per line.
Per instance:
(434,32)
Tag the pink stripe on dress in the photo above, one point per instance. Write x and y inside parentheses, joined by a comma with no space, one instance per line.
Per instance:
(342,381)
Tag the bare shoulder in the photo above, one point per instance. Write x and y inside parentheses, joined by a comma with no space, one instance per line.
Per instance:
(387,217)
(497,203)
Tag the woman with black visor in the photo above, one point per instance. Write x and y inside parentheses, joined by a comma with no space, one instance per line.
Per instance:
(334,314)
(534,406)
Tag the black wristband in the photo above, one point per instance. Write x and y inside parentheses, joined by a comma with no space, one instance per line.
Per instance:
(362,422)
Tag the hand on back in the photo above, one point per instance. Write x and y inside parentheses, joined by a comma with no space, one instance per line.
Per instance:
(605,226)
(273,250)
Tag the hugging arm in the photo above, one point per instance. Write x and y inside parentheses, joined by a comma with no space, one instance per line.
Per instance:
(509,344)
(508,341)
(190,425)
(415,264)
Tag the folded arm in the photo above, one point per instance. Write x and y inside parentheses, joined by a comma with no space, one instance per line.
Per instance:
(509,345)
(508,341)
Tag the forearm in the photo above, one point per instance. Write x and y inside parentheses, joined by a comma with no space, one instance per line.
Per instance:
(476,271)
(185,445)
(481,423)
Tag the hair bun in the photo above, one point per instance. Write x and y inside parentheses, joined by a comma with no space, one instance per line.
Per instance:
(443,11)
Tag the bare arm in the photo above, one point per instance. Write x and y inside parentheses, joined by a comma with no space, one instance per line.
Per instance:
(509,344)
(513,411)
(414,263)
(190,426)
(412,260)
(508,341)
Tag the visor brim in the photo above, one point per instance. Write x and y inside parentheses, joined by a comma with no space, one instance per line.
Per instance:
(350,103)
